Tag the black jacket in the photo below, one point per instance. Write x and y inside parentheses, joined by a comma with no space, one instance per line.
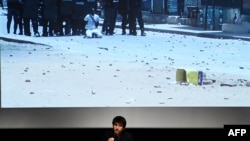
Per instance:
(66,7)
(13,4)
(78,9)
(108,4)
(30,9)
(49,9)
(125,136)
(123,6)
(135,5)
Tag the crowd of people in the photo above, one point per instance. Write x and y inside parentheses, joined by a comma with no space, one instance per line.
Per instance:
(73,17)
(130,11)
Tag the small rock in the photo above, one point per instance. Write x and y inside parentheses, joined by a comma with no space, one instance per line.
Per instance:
(157,86)
(27,80)
(208,82)
(229,85)
(159,91)
(248,84)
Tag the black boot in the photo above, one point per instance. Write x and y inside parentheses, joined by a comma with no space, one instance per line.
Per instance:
(143,33)
(133,32)
(123,32)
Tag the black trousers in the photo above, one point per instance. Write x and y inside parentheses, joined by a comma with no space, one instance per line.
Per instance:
(109,20)
(12,14)
(27,26)
(49,26)
(135,16)
(1,3)
(124,16)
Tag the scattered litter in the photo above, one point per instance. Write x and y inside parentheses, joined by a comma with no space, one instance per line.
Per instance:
(228,85)
(130,100)
(27,80)
(248,84)
(103,48)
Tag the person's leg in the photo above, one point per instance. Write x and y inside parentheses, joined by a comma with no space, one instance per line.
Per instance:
(52,27)
(141,23)
(97,33)
(113,15)
(107,19)
(82,27)
(35,27)
(15,14)
(88,33)
(1,3)
(74,27)
(45,27)
(68,26)
(132,23)
(20,24)
(27,27)
(104,25)
(9,19)
(59,27)
(124,23)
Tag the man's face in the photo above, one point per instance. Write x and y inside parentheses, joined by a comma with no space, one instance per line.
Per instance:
(92,12)
(118,128)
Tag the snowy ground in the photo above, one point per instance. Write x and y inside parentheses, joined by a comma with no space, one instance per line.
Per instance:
(121,71)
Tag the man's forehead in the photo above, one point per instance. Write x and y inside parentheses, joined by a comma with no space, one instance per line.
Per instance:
(118,123)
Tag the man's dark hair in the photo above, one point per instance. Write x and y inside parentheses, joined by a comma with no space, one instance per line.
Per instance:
(119,119)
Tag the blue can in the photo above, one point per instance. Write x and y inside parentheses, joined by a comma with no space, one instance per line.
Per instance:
(200,77)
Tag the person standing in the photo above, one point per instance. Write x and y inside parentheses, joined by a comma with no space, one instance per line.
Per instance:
(135,14)
(77,15)
(20,17)
(123,7)
(110,14)
(30,13)
(118,133)
(1,3)
(13,6)
(65,17)
(92,22)
(49,17)
(139,18)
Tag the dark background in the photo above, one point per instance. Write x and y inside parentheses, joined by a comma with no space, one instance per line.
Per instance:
(95,134)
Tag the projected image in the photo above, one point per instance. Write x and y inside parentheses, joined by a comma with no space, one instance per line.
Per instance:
(62,58)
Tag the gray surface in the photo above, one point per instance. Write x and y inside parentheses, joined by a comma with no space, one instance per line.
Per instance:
(196,117)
